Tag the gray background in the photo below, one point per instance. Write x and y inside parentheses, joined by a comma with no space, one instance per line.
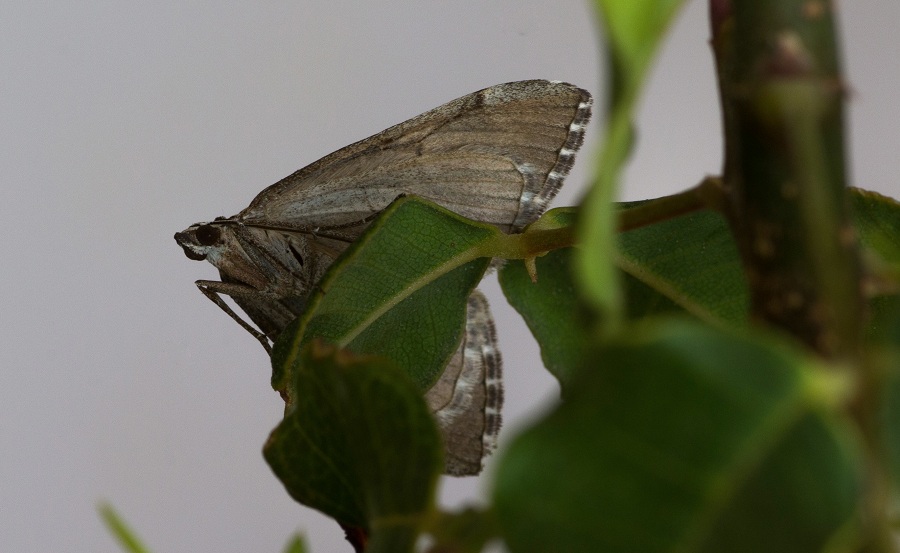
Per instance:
(123,123)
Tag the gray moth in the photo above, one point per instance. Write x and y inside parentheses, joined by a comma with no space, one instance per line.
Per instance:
(497,156)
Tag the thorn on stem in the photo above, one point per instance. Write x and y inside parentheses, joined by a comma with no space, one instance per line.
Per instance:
(531,267)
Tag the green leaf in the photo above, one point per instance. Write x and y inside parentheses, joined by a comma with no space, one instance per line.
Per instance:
(633,31)
(878,224)
(685,438)
(557,320)
(692,261)
(399,291)
(359,444)
(644,301)
(687,265)
(551,309)
(125,535)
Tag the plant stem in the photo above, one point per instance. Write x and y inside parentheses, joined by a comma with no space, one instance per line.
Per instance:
(706,195)
(784,179)
(557,228)
(784,175)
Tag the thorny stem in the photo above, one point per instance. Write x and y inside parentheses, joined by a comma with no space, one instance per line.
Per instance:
(706,195)
(784,179)
(784,172)
(547,235)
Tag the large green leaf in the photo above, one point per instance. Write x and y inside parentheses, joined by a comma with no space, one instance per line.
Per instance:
(399,291)
(878,223)
(687,264)
(359,444)
(558,321)
(685,438)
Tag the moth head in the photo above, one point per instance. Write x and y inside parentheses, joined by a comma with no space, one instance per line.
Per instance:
(199,240)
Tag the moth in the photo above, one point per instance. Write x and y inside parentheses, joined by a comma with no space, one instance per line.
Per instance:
(497,156)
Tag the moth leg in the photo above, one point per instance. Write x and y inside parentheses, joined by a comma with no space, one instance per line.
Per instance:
(212,290)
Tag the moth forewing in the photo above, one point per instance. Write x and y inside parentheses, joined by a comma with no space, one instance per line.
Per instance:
(497,156)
